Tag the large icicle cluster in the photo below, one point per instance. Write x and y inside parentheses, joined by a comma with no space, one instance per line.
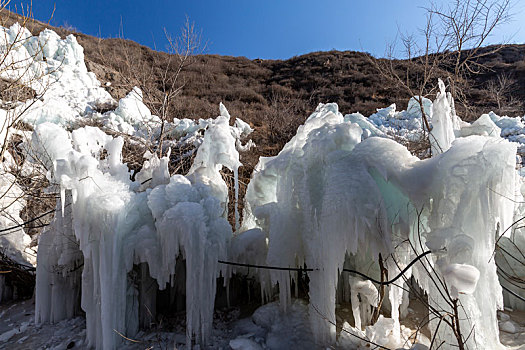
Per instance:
(116,227)
(105,223)
(67,94)
(327,198)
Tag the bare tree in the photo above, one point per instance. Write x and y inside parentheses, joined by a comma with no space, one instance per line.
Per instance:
(499,88)
(465,27)
(450,46)
(160,76)
(25,77)
(500,91)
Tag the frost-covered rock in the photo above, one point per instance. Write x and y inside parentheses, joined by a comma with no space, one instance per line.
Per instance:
(508,326)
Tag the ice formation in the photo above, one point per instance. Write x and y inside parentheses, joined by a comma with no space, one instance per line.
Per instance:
(55,70)
(106,223)
(327,198)
(442,133)
(117,227)
(342,194)
(15,241)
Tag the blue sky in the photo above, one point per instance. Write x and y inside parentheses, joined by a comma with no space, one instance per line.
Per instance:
(256,29)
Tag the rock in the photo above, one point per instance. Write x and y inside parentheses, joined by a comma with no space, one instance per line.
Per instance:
(508,326)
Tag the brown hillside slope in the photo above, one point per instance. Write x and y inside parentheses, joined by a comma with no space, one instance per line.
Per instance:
(276,96)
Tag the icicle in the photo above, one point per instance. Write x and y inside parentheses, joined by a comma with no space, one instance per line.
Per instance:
(236,180)
(296,280)
(228,295)
(395,296)
(354,299)
(442,133)
(62,198)
(369,296)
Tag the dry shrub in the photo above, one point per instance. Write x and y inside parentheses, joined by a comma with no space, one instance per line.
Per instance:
(17,277)
(14,92)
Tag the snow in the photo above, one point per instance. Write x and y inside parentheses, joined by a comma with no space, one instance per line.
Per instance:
(363,293)
(285,330)
(244,344)
(403,124)
(343,193)
(482,126)
(54,68)
(18,323)
(461,278)
(132,114)
(9,334)
(227,332)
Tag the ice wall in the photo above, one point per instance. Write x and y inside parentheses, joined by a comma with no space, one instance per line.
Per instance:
(306,200)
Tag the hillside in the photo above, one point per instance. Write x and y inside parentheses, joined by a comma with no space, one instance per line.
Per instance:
(262,91)
(275,96)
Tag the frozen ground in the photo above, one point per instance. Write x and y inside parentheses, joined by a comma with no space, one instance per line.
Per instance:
(267,328)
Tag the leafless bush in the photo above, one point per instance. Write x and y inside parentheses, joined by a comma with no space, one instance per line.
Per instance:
(19,278)
(500,90)
(420,146)
(283,117)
